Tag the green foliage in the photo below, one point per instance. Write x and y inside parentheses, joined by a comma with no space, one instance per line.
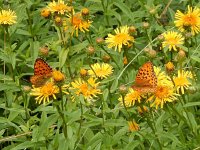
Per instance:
(70,121)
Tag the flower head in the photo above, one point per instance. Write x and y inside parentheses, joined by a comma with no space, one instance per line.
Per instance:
(47,91)
(58,76)
(133,126)
(172,40)
(7,17)
(100,70)
(79,23)
(58,7)
(120,38)
(45,12)
(164,91)
(131,97)
(88,89)
(189,21)
(182,80)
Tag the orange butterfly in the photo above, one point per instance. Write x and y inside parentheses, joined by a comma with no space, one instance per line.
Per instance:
(146,80)
(42,72)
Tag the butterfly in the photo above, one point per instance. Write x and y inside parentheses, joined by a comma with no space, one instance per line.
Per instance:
(146,80)
(42,73)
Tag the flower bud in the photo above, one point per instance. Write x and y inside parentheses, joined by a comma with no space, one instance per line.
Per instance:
(99,40)
(145,25)
(85,11)
(45,12)
(192,89)
(152,11)
(123,89)
(125,60)
(133,126)
(152,53)
(160,37)
(58,20)
(44,50)
(188,35)
(58,76)
(26,88)
(90,50)
(169,67)
(83,72)
(132,29)
(106,58)
(181,55)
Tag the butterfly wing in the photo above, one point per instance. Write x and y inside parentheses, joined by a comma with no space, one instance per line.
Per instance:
(42,72)
(146,80)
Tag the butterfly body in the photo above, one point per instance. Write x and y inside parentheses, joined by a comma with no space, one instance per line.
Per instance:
(42,73)
(146,80)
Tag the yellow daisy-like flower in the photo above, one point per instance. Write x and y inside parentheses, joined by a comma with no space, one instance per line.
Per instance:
(189,21)
(131,97)
(47,91)
(59,7)
(182,81)
(88,89)
(133,126)
(100,70)
(122,37)
(172,40)
(7,17)
(79,23)
(164,91)
(163,94)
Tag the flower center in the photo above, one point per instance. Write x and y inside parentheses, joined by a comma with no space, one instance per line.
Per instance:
(48,89)
(162,92)
(76,21)
(190,20)
(121,37)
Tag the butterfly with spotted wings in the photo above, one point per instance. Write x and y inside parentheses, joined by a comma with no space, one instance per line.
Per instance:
(42,73)
(146,80)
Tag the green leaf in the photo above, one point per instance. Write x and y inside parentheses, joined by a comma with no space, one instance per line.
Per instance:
(195,58)
(114,86)
(63,57)
(125,9)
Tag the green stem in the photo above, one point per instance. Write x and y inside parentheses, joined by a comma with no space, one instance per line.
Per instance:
(102,111)
(61,96)
(153,126)
(63,119)
(183,101)
(105,11)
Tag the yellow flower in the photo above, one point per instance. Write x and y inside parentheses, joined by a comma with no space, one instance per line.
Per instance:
(47,91)
(58,76)
(181,81)
(100,70)
(58,7)
(164,91)
(133,126)
(79,23)
(163,94)
(88,89)
(172,40)
(7,17)
(189,21)
(121,38)
(130,98)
